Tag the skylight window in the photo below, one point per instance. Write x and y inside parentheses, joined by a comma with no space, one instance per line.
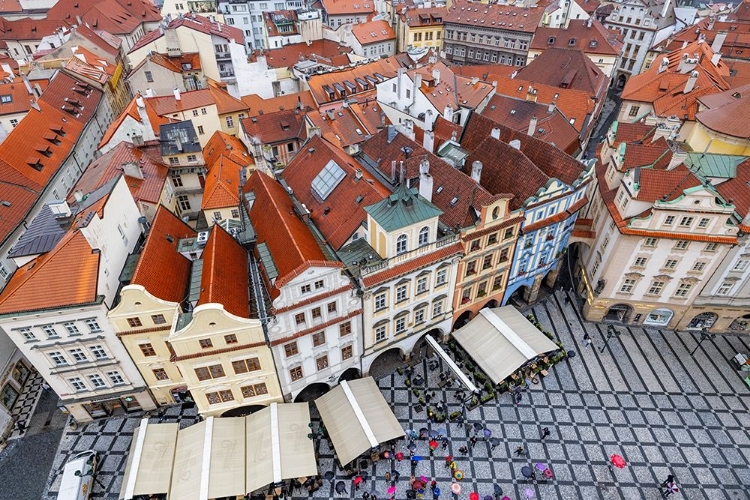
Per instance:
(328,178)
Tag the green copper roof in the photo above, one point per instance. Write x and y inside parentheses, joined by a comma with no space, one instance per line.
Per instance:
(714,165)
(401,209)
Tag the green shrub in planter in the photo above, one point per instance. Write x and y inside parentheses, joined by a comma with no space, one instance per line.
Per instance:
(400,370)
(488,386)
(454,415)
(415,391)
(407,382)
(474,401)
(488,397)
(422,401)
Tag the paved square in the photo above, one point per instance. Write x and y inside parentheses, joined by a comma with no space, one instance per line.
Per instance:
(644,398)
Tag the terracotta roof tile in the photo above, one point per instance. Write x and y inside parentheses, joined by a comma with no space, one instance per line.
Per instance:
(278,127)
(323,51)
(633,132)
(222,185)
(107,167)
(551,126)
(654,154)
(20,98)
(256,105)
(657,184)
(197,23)
(728,117)
(28,29)
(167,105)
(566,68)
(223,144)
(458,91)
(459,196)
(339,7)
(344,212)
(500,17)
(341,128)
(737,189)
(225,103)
(174,63)
(423,16)
(321,84)
(224,280)
(119,17)
(11,7)
(162,270)
(591,38)
(273,18)
(45,283)
(76,98)
(411,265)
(289,240)
(373,32)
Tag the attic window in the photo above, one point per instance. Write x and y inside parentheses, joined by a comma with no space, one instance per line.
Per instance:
(454,200)
(35,164)
(46,151)
(572,42)
(328,178)
(59,131)
(737,95)
(359,199)
(53,139)
(284,125)
(5,99)
(593,44)
(187,66)
(439,190)
(551,40)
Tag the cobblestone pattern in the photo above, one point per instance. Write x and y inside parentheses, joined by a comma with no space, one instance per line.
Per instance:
(27,401)
(644,398)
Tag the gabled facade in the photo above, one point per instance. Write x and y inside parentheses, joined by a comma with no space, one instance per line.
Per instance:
(181,151)
(14,105)
(340,12)
(548,194)
(163,73)
(228,162)
(60,324)
(660,232)
(373,39)
(419,27)
(274,138)
(315,324)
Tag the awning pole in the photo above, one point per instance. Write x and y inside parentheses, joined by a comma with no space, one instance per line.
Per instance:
(453,366)
(135,464)
(275,443)
(206,466)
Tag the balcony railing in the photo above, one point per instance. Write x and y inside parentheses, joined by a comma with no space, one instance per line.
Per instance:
(407,256)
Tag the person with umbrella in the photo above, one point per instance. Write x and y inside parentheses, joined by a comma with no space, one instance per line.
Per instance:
(433,445)
(671,489)
(520,451)
(448,460)
(435,493)
(670,479)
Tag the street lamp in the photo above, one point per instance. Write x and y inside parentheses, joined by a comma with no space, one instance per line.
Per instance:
(611,332)
(704,336)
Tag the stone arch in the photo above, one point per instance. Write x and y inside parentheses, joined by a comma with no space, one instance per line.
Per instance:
(312,392)
(464,318)
(517,292)
(619,312)
(386,362)
(703,320)
(242,411)
(741,324)
(621,81)
(350,374)
(491,304)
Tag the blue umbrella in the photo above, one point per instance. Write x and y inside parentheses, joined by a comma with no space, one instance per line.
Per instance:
(487,433)
(416,458)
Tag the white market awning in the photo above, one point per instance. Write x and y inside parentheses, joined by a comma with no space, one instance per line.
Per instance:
(188,464)
(277,445)
(501,340)
(357,418)
(149,465)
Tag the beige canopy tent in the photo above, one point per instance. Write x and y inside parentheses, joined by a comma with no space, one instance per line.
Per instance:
(501,340)
(277,445)
(357,418)
(149,466)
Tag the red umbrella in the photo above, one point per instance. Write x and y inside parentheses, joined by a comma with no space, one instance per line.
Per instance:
(617,461)
(357,480)
(399,456)
(433,444)
(417,484)
(474,496)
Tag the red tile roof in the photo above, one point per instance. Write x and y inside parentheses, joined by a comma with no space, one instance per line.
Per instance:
(28,28)
(495,17)
(223,144)
(100,38)
(274,128)
(197,23)
(161,269)
(655,154)
(665,90)
(387,68)
(45,282)
(167,104)
(174,63)
(728,113)
(10,7)
(339,7)
(412,265)
(119,17)
(373,32)
(548,158)
(224,280)
(633,132)
(76,98)
(345,214)
(591,38)
(458,91)
(568,69)
(552,126)
(341,128)
(290,242)
(222,185)
(423,16)
(257,105)
(272,19)
(324,51)
(110,165)
(459,197)
(225,103)
(666,185)
(737,190)
(20,98)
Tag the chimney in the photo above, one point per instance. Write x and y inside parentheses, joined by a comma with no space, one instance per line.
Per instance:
(532,126)
(35,105)
(132,169)
(664,65)
(719,40)
(690,85)
(495,133)
(139,102)
(393,171)
(678,157)
(531,94)
(588,22)
(448,113)
(400,73)
(176,94)
(436,76)
(429,120)
(515,144)
(514,74)
(476,171)
(417,86)
(407,128)
(551,108)
(426,182)
(429,141)
(474,80)
(149,92)
(665,9)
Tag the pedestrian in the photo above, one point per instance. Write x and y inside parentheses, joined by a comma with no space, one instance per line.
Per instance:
(387,477)
(365,496)
(587,340)
(670,479)
(445,442)
(448,460)
(463,450)
(567,299)
(473,441)
(433,484)
(518,397)
(453,465)
(428,397)
(545,433)
(520,451)
(395,475)
(20,426)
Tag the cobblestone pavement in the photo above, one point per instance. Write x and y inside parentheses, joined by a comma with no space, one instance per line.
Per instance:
(644,398)
(24,409)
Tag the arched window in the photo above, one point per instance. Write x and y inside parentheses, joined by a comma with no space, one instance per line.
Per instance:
(401,244)
(424,236)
